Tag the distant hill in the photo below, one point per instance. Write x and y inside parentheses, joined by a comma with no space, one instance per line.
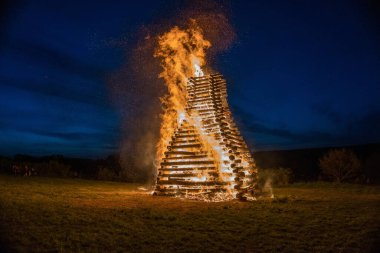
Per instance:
(304,162)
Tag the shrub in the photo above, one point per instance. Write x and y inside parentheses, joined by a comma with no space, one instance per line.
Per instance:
(107,174)
(51,169)
(340,165)
(275,177)
(5,165)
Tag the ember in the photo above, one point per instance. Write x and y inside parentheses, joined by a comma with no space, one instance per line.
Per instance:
(201,154)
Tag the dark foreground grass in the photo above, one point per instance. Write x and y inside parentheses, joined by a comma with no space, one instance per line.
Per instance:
(57,215)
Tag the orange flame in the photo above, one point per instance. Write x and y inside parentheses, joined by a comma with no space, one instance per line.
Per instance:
(183,54)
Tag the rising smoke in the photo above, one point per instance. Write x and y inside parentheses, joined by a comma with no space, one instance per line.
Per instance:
(136,88)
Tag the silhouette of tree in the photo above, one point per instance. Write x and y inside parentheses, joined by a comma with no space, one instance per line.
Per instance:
(340,165)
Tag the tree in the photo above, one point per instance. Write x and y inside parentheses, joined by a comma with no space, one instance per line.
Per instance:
(340,165)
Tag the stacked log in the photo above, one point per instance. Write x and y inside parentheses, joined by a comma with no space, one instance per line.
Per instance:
(189,166)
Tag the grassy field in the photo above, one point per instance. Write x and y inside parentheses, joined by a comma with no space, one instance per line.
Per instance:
(66,215)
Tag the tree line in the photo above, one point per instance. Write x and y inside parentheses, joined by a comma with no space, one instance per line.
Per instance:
(108,168)
(281,167)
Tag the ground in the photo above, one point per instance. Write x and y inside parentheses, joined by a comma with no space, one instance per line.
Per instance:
(72,215)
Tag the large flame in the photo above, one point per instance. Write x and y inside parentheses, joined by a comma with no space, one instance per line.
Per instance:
(183,54)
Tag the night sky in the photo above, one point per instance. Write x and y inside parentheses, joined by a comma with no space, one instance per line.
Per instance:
(300,74)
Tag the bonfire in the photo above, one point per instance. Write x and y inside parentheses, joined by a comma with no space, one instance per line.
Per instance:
(201,153)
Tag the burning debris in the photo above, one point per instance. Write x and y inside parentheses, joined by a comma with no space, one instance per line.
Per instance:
(201,154)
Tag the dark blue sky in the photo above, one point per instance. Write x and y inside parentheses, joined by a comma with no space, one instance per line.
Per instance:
(301,73)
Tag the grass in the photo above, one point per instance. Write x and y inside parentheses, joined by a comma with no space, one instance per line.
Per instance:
(66,215)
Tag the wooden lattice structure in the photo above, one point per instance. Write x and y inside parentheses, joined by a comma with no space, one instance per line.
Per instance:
(207,158)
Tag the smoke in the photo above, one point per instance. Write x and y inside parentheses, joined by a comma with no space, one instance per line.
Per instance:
(136,88)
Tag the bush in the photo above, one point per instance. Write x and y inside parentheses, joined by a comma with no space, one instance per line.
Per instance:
(51,169)
(340,165)
(5,165)
(275,177)
(107,174)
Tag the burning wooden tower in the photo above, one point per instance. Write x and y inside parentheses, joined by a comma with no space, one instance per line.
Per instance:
(207,158)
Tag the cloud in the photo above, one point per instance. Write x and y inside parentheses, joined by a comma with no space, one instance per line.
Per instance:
(52,57)
(360,128)
(48,88)
(359,131)
(365,127)
(325,110)
(40,141)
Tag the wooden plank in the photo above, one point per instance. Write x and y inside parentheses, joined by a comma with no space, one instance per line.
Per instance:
(186,163)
